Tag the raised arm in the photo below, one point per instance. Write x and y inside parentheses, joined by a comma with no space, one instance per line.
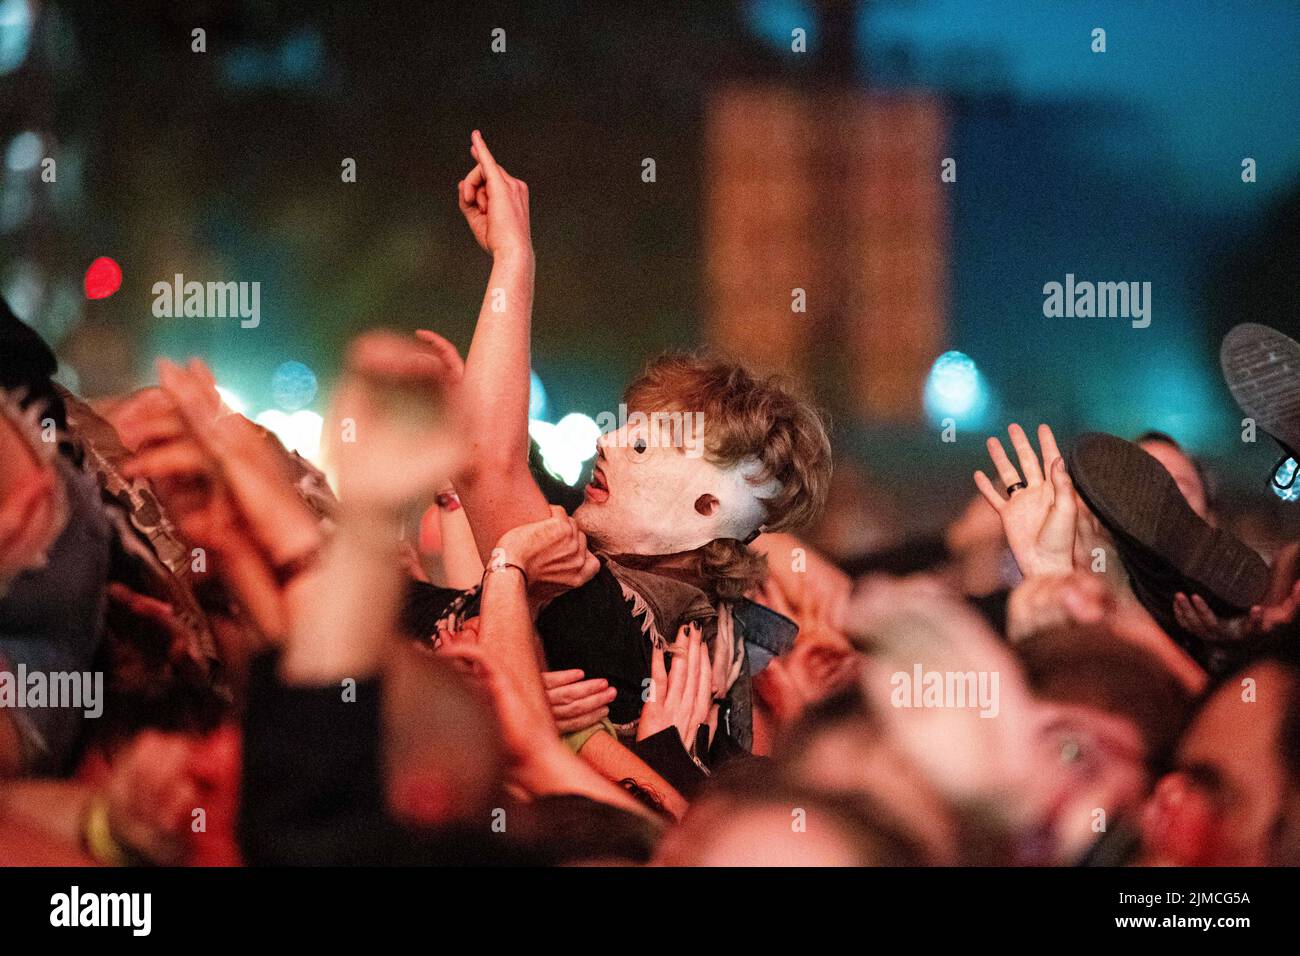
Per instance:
(495,484)
(347,619)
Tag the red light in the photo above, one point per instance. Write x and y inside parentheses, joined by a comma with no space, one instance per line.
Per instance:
(103,278)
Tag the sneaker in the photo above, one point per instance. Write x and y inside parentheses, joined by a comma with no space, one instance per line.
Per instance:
(1262,369)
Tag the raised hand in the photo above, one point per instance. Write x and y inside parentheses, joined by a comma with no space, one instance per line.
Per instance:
(577,704)
(1038,516)
(219,472)
(680,698)
(398,444)
(494,204)
(187,478)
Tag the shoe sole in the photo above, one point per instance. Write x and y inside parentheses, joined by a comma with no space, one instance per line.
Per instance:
(1133,495)
(1262,369)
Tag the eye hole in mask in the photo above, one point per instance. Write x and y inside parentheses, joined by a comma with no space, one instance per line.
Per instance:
(639,445)
(706,505)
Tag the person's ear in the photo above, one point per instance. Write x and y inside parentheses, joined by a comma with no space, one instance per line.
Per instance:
(706,505)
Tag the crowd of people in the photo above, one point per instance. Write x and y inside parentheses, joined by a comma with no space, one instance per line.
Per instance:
(437,656)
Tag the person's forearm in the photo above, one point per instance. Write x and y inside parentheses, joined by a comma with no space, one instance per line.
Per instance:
(460,555)
(496,381)
(249,577)
(346,610)
(506,634)
(54,808)
(614,762)
(497,489)
(1133,623)
(559,771)
(507,637)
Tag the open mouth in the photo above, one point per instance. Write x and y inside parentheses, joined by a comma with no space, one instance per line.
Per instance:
(597,490)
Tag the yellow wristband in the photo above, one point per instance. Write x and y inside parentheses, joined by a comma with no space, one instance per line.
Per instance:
(97,835)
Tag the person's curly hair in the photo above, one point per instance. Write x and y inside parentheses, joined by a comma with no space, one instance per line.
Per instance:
(745,416)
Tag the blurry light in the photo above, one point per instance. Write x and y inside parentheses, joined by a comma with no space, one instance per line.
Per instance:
(955,389)
(293,386)
(15,33)
(566,446)
(24,151)
(24,290)
(1284,482)
(301,57)
(579,434)
(103,278)
(774,21)
(298,432)
(63,314)
(537,400)
(16,205)
(232,401)
(298,61)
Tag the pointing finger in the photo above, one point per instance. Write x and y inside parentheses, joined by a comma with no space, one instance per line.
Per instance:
(491,170)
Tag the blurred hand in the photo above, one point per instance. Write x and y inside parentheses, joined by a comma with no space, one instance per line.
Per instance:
(577,704)
(220,474)
(1039,518)
(189,482)
(552,552)
(151,797)
(682,697)
(494,204)
(1043,601)
(398,445)
(814,587)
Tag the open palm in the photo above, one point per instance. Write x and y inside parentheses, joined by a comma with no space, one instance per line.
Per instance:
(1037,511)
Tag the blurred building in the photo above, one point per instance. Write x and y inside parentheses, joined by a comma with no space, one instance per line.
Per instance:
(826,237)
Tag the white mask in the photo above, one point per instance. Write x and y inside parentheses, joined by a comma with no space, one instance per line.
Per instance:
(651,496)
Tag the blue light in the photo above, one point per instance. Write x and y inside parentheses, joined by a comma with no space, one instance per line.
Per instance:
(955,389)
(1285,475)
(537,400)
(15,33)
(773,20)
(24,152)
(293,386)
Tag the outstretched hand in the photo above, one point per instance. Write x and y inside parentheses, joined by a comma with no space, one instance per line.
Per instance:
(398,443)
(1038,517)
(494,204)
(1280,606)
